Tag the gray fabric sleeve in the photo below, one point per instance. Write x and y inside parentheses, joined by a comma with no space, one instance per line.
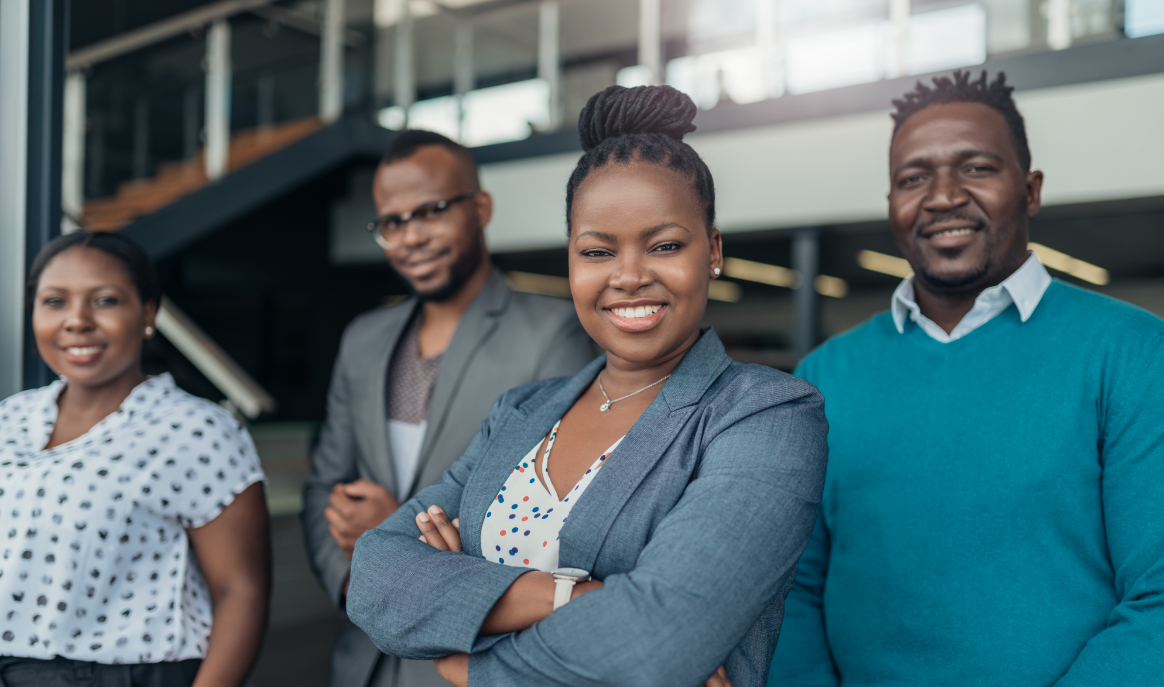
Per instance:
(429,603)
(695,591)
(333,461)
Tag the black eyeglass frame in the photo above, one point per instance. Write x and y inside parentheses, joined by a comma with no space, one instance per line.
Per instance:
(440,206)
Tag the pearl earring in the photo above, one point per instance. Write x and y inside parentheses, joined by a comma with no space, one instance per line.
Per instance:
(149,331)
(715,271)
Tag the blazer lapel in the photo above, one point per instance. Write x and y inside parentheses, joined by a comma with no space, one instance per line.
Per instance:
(379,450)
(476,325)
(591,518)
(527,425)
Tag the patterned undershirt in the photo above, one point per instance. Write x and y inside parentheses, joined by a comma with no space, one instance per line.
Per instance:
(408,392)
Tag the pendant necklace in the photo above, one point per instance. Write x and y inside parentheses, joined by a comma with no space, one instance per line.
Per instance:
(606,406)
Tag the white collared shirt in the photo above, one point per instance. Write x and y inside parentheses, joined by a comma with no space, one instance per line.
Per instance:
(1024,288)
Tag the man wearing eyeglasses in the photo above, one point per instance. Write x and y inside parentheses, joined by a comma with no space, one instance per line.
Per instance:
(414,381)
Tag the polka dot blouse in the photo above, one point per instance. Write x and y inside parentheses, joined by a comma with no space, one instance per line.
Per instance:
(521,527)
(95,563)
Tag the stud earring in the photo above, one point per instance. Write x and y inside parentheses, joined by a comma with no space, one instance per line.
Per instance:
(715,271)
(149,331)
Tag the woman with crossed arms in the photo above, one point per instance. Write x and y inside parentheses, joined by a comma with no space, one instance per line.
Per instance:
(639,523)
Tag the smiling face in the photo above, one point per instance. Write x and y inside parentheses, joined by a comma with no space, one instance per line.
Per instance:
(959,200)
(641,256)
(88,319)
(438,263)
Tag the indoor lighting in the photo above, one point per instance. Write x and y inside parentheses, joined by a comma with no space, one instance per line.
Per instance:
(774,275)
(541,284)
(1073,266)
(737,268)
(723,291)
(885,264)
(833,287)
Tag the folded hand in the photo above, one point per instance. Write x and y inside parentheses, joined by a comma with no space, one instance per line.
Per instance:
(438,531)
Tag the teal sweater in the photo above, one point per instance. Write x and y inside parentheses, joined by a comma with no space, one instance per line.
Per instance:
(993,512)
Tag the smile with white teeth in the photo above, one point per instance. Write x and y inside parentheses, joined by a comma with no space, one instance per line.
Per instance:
(83,350)
(633,313)
(948,233)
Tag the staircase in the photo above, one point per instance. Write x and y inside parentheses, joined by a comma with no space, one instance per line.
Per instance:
(177,179)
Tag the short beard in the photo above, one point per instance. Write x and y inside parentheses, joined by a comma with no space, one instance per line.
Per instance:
(937,284)
(459,273)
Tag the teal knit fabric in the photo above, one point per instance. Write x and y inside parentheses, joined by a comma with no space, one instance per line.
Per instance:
(993,512)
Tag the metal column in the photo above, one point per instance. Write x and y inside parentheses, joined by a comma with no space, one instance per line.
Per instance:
(768,43)
(899,11)
(806,261)
(464,80)
(73,150)
(217,99)
(650,42)
(13,154)
(549,57)
(404,85)
(47,44)
(331,62)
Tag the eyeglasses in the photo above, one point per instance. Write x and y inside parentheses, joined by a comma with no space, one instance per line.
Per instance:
(429,219)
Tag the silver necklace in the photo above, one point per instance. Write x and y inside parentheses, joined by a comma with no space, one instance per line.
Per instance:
(606,406)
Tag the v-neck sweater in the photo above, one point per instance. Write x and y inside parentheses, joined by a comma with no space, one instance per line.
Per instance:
(992,507)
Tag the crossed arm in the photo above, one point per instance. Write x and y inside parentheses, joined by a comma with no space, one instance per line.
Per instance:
(676,615)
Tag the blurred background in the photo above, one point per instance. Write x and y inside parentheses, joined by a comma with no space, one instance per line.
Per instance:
(236,140)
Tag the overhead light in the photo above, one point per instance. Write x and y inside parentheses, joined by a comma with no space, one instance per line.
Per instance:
(775,275)
(834,287)
(541,284)
(885,264)
(1074,266)
(723,291)
(748,270)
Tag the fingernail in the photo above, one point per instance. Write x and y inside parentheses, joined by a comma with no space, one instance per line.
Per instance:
(434,509)
(457,523)
(423,517)
(421,537)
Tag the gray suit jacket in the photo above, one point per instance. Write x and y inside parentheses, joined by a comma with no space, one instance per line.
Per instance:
(694,525)
(504,339)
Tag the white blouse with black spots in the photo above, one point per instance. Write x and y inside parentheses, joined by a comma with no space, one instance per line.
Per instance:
(95,562)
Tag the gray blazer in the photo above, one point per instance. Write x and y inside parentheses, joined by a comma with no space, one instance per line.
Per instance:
(694,525)
(504,339)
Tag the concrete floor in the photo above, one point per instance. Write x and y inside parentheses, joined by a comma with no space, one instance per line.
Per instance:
(303,624)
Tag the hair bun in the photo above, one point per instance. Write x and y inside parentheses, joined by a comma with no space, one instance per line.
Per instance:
(618,111)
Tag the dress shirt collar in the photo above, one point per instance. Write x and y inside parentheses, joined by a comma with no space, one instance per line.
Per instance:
(1025,288)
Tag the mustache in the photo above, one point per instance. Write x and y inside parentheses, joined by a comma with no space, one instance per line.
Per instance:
(420,254)
(979,222)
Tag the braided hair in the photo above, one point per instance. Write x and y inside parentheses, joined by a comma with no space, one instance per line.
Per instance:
(642,124)
(960,89)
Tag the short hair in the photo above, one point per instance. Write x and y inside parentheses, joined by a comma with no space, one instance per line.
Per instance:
(405,144)
(131,256)
(645,123)
(960,89)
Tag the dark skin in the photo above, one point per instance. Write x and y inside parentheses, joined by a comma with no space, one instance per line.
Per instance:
(959,205)
(90,323)
(639,239)
(428,263)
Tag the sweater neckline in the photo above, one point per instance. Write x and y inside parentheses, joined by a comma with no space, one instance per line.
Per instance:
(981,336)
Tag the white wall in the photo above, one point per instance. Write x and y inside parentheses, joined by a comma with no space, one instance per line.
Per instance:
(1096,141)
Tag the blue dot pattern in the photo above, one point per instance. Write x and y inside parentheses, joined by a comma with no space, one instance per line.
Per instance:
(535,510)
